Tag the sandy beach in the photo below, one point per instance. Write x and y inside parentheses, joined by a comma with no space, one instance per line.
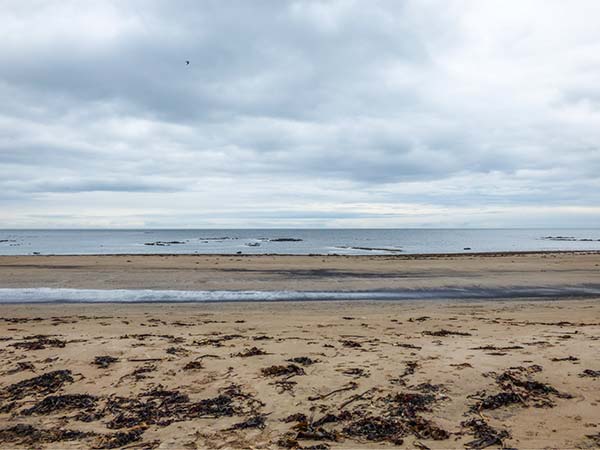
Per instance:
(406,374)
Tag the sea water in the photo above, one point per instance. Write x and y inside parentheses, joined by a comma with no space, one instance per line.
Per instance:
(294,241)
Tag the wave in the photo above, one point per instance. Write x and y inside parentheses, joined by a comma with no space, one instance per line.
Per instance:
(60,295)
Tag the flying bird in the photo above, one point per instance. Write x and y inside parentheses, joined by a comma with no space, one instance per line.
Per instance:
(187,63)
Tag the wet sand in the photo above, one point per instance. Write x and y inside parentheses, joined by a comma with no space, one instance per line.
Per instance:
(302,273)
(370,375)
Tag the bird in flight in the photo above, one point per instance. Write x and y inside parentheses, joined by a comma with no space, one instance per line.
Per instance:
(187,63)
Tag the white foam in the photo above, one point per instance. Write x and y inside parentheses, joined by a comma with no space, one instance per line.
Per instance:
(57,295)
(45,295)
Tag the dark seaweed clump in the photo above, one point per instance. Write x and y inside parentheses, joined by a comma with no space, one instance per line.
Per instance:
(104,361)
(277,371)
(254,351)
(39,342)
(47,383)
(29,435)
(54,403)
(484,434)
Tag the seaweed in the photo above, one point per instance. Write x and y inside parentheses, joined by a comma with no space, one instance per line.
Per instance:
(351,344)
(518,390)
(497,401)
(47,383)
(104,361)
(356,372)
(411,346)
(410,368)
(277,371)
(332,418)
(29,435)
(284,386)
(257,421)
(176,351)
(262,337)
(303,360)
(219,406)
(567,358)
(493,347)
(484,434)
(590,373)
(21,367)
(119,439)
(443,333)
(408,404)
(218,341)
(297,417)
(54,403)
(254,351)
(193,365)
(306,430)
(377,429)
(426,429)
(428,387)
(163,407)
(349,387)
(39,342)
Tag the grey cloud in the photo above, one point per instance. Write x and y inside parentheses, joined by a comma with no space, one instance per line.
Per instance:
(451,104)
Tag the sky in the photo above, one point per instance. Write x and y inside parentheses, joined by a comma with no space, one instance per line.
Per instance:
(399,113)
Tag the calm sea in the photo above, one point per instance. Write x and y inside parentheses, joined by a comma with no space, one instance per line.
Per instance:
(295,241)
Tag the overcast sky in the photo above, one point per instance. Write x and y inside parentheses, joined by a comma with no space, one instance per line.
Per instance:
(299,113)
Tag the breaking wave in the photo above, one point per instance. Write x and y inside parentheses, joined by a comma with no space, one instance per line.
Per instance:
(59,295)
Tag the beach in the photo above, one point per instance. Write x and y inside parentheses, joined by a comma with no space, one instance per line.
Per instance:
(435,373)
(302,273)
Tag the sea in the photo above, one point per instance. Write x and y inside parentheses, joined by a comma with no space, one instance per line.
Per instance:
(295,241)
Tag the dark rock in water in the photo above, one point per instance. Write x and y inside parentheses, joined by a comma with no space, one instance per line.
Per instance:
(569,239)
(373,249)
(238,253)
(467,248)
(285,240)
(164,243)
(253,244)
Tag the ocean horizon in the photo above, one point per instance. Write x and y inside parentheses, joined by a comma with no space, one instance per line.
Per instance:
(295,241)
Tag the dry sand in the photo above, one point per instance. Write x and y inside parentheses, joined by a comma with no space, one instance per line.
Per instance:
(379,374)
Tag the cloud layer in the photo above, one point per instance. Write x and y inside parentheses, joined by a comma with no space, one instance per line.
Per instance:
(299,113)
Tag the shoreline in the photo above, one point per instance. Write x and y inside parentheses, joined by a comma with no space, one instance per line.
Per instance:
(318,255)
